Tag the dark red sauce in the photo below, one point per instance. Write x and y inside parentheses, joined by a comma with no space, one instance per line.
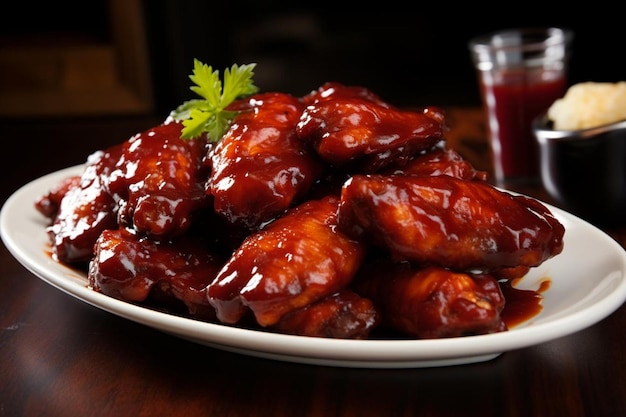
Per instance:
(517,98)
(521,305)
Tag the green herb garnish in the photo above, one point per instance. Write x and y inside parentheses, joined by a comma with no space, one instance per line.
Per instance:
(209,114)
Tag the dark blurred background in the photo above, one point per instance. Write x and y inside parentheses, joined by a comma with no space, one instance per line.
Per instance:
(116,57)
(80,76)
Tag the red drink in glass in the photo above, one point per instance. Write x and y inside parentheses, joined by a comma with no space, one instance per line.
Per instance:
(521,73)
(515,98)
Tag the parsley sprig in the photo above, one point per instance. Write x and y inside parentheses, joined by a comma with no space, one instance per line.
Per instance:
(209,114)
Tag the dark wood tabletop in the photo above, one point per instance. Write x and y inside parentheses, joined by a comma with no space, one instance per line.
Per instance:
(62,357)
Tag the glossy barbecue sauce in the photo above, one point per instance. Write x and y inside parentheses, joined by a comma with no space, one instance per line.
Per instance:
(521,305)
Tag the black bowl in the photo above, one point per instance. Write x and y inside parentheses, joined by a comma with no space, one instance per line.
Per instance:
(585,170)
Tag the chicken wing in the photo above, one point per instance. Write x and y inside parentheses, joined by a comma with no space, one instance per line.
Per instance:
(153,182)
(360,132)
(159,181)
(441,220)
(342,315)
(260,167)
(294,261)
(133,268)
(84,211)
(432,302)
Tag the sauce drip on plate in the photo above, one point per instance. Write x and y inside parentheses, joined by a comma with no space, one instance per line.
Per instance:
(521,305)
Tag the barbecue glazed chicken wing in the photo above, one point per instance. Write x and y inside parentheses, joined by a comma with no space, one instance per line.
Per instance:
(159,181)
(342,315)
(260,167)
(84,210)
(133,268)
(153,183)
(432,302)
(441,220)
(366,135)
(292,262)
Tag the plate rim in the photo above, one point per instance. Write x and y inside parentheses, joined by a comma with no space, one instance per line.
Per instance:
(303,349)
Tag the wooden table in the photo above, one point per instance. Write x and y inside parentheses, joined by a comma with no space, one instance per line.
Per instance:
(62,357)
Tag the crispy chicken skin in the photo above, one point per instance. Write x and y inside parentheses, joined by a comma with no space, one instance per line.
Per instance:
(432,302)
(132,268)
(294,261)
(441,220)
(260,168)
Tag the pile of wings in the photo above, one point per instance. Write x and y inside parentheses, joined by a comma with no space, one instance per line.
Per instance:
(333,214)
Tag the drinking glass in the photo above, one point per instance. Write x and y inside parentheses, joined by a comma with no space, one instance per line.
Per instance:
(521,72)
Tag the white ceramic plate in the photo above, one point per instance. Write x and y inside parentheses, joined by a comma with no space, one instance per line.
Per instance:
(588,284)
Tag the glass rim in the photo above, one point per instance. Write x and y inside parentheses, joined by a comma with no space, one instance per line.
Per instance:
(528,39)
